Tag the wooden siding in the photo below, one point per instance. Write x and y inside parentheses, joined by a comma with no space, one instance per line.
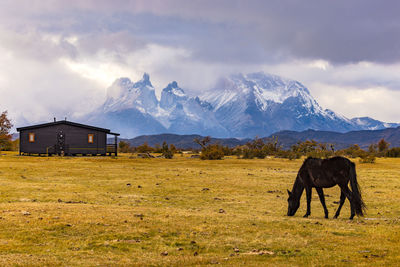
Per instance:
(76,140)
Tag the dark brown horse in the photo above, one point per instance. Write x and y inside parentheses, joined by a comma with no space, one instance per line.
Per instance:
(324,173)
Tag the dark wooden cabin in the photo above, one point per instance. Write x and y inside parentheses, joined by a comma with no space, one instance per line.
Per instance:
(65,138)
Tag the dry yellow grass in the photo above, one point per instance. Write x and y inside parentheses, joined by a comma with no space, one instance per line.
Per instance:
(91,211)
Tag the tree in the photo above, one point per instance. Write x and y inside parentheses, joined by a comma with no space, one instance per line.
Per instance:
(354,151)
(5,126)
(383,146)
(203,142)
(372,149)
(124,147)
(145,148)
(166,152)
(209,151)
(172,148)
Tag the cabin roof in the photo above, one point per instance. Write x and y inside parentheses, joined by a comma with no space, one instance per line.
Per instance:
(67,123)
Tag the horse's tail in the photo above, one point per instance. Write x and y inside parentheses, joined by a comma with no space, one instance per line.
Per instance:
(358,202)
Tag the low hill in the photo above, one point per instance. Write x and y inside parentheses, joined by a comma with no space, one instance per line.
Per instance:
(285,138)
(340,140)
(182,141)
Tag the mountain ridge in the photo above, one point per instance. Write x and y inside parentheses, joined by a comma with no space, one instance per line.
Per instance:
(239,105)
(286,139)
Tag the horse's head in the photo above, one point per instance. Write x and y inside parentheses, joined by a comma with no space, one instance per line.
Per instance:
(293,204)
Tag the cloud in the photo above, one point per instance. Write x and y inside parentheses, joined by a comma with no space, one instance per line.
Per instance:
(34,84)
(378,102)
(58,57)
(337,31)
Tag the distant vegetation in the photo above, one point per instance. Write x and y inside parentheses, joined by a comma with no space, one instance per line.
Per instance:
(261,148)
(6,142)
(256,148)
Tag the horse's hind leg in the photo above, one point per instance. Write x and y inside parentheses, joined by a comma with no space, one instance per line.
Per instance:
(342,200)
(308,194)
(349,195)
(322,199)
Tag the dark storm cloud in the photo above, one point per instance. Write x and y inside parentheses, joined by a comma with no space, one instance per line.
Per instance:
(82,46)
(234,31)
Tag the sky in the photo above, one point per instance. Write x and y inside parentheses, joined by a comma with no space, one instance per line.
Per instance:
(57,58)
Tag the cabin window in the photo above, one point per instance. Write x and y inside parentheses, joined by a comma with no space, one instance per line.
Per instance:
(90,138)
(31,137)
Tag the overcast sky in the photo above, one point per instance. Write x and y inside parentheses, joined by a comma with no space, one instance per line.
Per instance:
(57,58)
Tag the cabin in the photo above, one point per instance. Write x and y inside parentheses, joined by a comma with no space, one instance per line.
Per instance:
(65,138)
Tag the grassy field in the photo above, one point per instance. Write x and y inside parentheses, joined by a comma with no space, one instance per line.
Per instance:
(90,211)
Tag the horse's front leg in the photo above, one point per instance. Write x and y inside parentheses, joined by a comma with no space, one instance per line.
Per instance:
(308,194)
(322,199)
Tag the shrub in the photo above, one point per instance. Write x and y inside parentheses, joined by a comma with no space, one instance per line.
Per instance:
(144,148)
(353,151)
(166,152)
(288,154)
(157,148)
(393,152)
(173,148)
(247,153)
(260,149)
(238,151)
(383,146)
(124,147)
(367,158)
(212,152)
(209,151)
(5,136)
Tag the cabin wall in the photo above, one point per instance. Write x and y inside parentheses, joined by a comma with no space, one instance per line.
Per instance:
(76,140)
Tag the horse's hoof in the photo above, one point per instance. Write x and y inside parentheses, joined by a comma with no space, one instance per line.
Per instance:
(305,216)
(335,217)
(326,217)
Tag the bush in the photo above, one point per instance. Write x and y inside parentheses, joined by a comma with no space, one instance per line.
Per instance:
(124,147)
(383,147)
(288,154)
(247,153)
(367,158)
(166,152)
(173,149)
(238,151)
(145,148)
(393,152)
(209,151)
(5,136)
(354,151)
(258,148)
(212,152)
(157,148)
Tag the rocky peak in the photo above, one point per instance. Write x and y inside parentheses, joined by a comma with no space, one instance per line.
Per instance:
(172,95)
(124,94)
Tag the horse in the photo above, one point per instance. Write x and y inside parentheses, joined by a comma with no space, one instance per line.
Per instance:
(325,173)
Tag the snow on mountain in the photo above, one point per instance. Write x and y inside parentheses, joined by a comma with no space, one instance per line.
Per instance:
(260,104)
(133,109)
(124,94)
(171,95)
(256,104)
(367,123)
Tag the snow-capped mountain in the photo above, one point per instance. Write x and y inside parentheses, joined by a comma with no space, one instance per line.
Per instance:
(187,115)
(133,109)
(260,103)
(256,104)
(367,123)
(124,94)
